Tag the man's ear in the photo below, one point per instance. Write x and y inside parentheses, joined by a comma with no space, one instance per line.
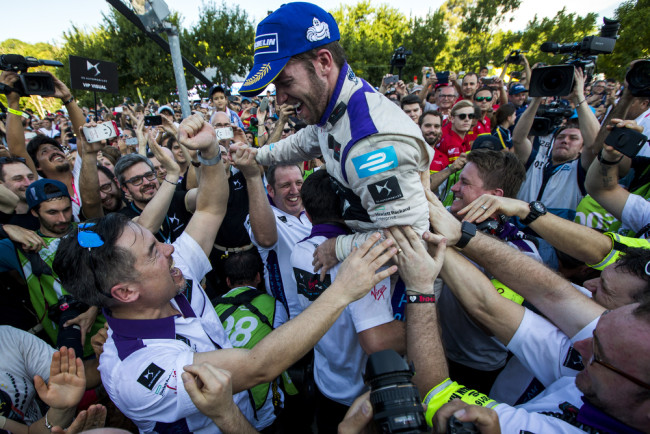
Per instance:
(323,62)
(498,192)
(270,190)
(124,293)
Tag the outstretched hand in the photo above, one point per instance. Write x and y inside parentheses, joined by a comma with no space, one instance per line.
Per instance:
(486,205)
(67,381)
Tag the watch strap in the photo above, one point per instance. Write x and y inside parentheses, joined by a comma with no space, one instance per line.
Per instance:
(468,231)
(212,161)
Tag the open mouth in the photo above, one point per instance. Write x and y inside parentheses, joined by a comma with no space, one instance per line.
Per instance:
(57,158)
(298,108)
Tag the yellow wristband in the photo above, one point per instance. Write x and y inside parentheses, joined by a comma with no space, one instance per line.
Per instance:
(507,292)
(15,112)
(449,390)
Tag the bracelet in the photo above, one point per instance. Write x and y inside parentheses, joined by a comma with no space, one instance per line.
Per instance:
(263,134)
(48,425)
(195,163)
(69,101)
(607,162)
(212,161)
(580,103)
(422,298)
(172,183)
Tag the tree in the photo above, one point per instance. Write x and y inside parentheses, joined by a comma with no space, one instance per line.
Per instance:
(633,43)
(223,38)
(427,39)
(369,35)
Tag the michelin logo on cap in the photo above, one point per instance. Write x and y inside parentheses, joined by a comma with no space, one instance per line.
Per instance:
(266,44)
(319,31)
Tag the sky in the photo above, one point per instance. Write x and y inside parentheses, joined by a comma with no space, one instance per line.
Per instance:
(48,21)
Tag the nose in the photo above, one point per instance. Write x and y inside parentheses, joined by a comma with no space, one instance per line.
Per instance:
(280,96)
(168,249)
(456,187)
(592,285)
(584,348)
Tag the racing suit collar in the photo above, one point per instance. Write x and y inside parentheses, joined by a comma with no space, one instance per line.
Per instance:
(328,230)
(594,418)
(335,96)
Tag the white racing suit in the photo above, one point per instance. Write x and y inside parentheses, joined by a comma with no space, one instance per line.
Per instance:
(374,154)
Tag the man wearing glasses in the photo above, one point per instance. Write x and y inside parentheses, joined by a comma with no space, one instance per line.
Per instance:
(452,143)
(16,176)
(484,99)
(137,178)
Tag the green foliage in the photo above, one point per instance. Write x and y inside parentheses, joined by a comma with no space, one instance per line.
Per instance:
(634,40)
(370,34)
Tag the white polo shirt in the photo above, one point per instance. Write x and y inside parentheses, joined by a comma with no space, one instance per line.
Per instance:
(278,274)
(339,360)
(143,360)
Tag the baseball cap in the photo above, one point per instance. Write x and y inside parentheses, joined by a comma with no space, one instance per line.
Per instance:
(292,29)
(165,107)
(517,88)
(217,88)
(487,141)
(36,195)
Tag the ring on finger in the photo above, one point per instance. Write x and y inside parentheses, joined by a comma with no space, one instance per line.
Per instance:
(483,207)
(399,251)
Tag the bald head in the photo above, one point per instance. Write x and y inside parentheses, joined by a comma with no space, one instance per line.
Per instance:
(220,120)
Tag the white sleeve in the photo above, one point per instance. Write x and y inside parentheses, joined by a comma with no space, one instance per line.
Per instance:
(374,309)
(30,351)
(540,347)
(518,420)
(636,212)
(190,258)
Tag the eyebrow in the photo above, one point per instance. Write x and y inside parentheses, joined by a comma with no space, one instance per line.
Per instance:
(151,248)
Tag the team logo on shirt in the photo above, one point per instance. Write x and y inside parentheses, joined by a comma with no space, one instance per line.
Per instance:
(573,360)
(385,190)
(309,285)
(150,376)
(375,162)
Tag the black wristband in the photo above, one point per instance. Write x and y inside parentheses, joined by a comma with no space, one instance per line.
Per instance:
(422,298)
(607,162)
(68,101)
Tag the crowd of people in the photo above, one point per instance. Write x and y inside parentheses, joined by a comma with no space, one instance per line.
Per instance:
(232,271)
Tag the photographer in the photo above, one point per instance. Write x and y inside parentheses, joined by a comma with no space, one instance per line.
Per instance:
(555,170)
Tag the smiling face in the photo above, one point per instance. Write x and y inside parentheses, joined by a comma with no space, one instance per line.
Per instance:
(286,190)
(446,97)
(17,178)
(481,99)
(51,160)
(143,193)
(431,129)
(469,187)
(109,193)
(300,86)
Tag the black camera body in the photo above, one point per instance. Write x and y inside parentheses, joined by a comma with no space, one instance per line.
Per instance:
(394,398)
(626,141)
(548,118)
(515,57)
(30,83)
(556,80)
(66,309)
(638,78)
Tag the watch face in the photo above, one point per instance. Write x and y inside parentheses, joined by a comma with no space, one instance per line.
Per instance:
(539,207)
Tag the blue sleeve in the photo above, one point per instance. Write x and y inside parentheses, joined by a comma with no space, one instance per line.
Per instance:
(8,257)
(239,122)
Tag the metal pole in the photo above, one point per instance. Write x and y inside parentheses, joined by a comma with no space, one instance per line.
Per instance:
(177,61)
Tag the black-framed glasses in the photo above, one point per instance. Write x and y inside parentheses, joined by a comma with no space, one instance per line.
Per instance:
(9,160)
(137,180)
(106,188)
(463,116)
(286,130)
(595,358)
(483,98)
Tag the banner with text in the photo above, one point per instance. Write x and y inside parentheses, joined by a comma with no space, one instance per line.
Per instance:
(93,75)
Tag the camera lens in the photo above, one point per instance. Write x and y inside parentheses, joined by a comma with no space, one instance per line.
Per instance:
(395,399)
(639,76)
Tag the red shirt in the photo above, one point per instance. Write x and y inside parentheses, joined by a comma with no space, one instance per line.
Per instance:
(449,148)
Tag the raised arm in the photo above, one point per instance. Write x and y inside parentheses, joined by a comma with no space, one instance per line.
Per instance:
(555,297)
(261,217)
(89,180)
(589,124)
(15,131)
(521,144)
(287,343)
(212,196)
(75,113)
(581,242)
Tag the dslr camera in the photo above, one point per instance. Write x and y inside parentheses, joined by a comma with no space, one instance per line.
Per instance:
(549,117)
(30,83)
(394,398)
(558,80)
(66,309)
(515,57)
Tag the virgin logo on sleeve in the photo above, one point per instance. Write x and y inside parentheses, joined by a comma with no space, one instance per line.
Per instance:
(375,162)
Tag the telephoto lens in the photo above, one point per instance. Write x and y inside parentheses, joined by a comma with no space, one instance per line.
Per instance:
(395,399)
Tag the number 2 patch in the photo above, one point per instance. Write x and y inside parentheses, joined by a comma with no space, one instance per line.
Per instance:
(375,162)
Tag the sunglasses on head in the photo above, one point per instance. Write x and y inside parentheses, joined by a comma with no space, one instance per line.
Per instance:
(463,116)
(483,98)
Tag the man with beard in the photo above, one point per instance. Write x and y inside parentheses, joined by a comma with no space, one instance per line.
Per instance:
(31,254)
(15,176)
(375,156)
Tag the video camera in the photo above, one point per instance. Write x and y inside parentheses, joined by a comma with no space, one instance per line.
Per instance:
(549,117)
(398,59)
(30,83)
(558,80)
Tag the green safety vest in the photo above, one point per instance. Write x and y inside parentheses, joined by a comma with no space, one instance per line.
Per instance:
(247,316)
(45,289)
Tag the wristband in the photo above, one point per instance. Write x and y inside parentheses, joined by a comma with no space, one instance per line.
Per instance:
(69,101)
(422,298)
(16,112)
(167,180)
(607,162)
(264,133)
(48,425)
(212,161)
(195,163)
(580,103)
(449,390)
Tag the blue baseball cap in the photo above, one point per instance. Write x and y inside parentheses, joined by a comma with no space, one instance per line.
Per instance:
(35,193)
(292,29)
(517,88)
